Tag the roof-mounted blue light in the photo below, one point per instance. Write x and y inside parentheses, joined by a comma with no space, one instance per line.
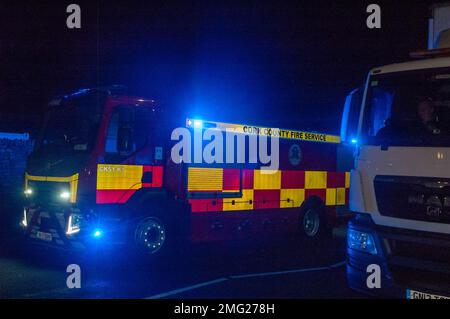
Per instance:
(198,123)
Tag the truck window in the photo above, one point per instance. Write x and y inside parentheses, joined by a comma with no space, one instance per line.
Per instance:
(72,126)
(350,116)
(128,131)
(408,109)
(111,135)
(380,111)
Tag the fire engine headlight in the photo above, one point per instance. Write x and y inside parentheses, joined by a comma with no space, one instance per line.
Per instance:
(28,192)
(64,195)
(24,222)
(361,241)
(73,224)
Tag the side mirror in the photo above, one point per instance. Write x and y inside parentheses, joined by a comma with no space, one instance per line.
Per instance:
(350,117)
(125,139)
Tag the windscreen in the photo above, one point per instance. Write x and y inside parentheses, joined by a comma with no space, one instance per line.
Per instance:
(73,125)
(408,109)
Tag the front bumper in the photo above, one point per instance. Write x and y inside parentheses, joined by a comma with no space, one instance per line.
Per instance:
(48,227)
(407,260)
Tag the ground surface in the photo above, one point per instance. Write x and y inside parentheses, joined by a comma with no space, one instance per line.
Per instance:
(284,268)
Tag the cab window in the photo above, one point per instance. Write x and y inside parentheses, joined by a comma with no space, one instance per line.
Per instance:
(128,131)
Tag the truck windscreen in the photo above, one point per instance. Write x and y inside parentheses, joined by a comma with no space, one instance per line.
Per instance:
(408,109)
(73,125)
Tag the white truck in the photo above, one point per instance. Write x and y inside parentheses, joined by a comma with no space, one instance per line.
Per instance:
(399,125)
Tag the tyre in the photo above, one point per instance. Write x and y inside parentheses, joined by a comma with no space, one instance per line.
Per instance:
(153,235)
(150,236)
(313,225)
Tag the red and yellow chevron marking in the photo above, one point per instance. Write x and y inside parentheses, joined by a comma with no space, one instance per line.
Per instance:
(281,189)
(117,183)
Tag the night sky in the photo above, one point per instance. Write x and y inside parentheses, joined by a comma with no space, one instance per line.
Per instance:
(273,63)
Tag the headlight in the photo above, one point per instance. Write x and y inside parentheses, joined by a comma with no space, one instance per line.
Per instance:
(24,222)
(361,241)
(28,192)
(65,195)
(73,224)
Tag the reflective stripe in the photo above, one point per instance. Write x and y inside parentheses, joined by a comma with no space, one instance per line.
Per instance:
(267,131)
(205,179)
(117,183)
(341,196)
(315,180)
(267,180)
(243,203)
(292,197)
(282,189)
(117,177)
(331,197)
(347,179)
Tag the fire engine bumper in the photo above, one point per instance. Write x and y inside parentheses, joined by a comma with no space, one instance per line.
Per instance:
(71,229)
(404,270)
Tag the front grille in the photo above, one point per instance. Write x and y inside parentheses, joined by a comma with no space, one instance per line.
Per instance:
(417,198)
(47,192)
(422,279)
(426,252)
(48,223)
(418,259)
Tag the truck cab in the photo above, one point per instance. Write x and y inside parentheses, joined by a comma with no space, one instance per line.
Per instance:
(399,126)
(86,133)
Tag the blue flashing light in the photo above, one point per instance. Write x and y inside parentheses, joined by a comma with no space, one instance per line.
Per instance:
(354,141)
(198,123)
(98,233)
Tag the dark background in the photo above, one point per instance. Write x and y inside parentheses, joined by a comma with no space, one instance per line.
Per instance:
(279,63)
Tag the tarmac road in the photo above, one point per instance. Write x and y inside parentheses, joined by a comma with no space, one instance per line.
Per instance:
(283,268)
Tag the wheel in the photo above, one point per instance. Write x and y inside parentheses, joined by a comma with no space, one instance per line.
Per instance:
(155,229)
(150,235)
(312,224)
(155,238)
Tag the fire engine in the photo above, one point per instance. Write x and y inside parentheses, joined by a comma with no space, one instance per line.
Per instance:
(101,173)
(399,124)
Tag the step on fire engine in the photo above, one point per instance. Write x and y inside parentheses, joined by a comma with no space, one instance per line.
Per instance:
(102,172)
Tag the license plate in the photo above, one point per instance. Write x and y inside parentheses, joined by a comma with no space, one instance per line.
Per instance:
(44,236)
(414,294)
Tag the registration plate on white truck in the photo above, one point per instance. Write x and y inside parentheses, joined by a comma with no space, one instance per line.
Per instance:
(44,236)
(414,294)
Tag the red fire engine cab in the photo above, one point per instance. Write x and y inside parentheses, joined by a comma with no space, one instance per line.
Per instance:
(102,171)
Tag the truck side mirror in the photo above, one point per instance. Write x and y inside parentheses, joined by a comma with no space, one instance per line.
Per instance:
(350,117)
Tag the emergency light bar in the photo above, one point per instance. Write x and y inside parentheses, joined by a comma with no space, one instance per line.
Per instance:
(263,131)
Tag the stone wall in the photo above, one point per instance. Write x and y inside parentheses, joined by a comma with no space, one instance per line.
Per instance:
(13,155)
